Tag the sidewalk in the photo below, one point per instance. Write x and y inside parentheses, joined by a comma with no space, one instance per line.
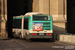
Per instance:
(4,38)
(69,43)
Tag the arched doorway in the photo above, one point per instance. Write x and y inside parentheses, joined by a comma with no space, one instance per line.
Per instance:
(16,8)
(71,16)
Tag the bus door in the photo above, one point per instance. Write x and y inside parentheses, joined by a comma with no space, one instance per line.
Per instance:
(26,21)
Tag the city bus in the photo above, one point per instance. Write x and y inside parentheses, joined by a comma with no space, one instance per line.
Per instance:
(33,26)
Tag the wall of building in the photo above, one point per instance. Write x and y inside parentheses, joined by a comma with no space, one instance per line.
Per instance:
(0,16)
(3,19)
(56,8)
(71,16)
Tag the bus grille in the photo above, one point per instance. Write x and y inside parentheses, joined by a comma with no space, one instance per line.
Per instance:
(46,26)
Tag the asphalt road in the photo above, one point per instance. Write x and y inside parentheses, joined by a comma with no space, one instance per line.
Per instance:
(20,44)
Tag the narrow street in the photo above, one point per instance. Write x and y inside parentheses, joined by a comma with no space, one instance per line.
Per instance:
(20,44)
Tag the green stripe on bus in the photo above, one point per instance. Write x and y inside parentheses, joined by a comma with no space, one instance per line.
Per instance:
(41,21)
(18,18)
(26,17)
(51,24)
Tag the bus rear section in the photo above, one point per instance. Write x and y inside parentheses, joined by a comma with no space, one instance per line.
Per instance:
(40,27)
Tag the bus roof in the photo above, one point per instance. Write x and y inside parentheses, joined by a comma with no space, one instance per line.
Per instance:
(29,14)
(21,16)
(33,13)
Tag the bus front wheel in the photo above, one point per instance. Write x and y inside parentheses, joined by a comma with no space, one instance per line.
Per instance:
(27,39)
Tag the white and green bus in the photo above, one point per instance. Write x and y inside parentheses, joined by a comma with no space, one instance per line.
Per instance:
(33,25)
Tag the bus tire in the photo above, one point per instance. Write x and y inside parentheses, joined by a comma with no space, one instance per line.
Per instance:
(27,39)
(14,36)
(20,37)
(52,40)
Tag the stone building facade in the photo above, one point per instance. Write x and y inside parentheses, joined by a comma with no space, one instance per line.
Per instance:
(3,18)
(56,8)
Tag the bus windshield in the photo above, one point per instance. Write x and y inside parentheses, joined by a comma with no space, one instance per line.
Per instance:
(40,18)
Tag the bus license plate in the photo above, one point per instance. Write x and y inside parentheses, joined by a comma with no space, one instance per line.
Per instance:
(41,34)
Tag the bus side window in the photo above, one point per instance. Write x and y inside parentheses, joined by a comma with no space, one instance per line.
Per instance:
(17,23)
(25,23)
(13,26)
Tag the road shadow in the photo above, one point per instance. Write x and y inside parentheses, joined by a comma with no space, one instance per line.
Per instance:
(41,40)
(57,29)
